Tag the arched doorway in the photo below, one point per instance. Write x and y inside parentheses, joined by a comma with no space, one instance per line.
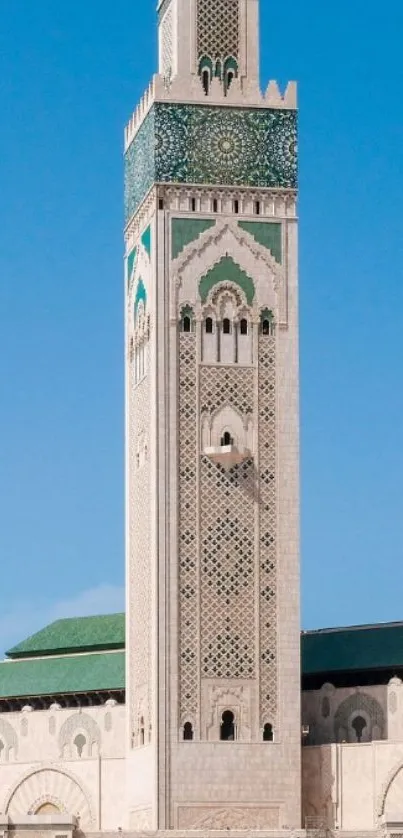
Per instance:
(47,808)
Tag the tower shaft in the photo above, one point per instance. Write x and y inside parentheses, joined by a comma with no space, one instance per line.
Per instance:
(213,680)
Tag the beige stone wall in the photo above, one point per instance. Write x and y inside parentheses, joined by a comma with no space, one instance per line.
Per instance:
(41,765)
(353,787)
(330,714)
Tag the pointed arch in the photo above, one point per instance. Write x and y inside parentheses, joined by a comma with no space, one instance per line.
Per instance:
(226,270)
(50,784)
(227,240)
(140,296)
(79,723)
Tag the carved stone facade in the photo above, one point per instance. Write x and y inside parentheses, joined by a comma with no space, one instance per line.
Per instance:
(63,769)
(212,516)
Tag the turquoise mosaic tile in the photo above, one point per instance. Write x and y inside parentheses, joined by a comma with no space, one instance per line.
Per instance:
(212,145)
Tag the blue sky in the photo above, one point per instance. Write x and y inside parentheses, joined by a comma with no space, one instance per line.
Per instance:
(70,75)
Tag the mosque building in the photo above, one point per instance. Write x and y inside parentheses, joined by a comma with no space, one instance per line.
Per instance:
(204,710)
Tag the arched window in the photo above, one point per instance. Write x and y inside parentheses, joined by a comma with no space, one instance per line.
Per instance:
(206,81)
(230,73)
(268,733)
(187,732)
(142,731)
(244,326)
(226,326)
(226,439)
(267,323)
(227,730)
(80,743)
(359,724)
(230,78)
(186,321)
(47,808)
(209,325)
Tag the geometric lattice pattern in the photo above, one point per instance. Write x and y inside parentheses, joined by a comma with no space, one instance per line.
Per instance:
(218,29)
(167,43)
(268,530)
(227,571)
(227,522)
(188,554)
(220,385)
(202,144)
(140,572)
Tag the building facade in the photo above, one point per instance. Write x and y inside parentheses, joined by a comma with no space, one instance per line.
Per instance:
(212,426)
(186,718)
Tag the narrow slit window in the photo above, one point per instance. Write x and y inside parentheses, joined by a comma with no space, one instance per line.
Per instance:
(186,324)
(244,326)
(193,204)
(215,205)
(206,81)
(227,729)
(187,732)
(226,439)
(236,207)
(161,204)
(209,325)
(226,326)
(257,207)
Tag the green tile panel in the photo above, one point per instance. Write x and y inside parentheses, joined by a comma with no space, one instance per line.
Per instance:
(79,634)
(200,144)
(364,647)
(146,240)
(58,676)
(226,270)
(186,230)
(131,262)
(266,233)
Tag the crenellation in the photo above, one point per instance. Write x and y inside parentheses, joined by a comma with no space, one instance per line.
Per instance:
(177,92)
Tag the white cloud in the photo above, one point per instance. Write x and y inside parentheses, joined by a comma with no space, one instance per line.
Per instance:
(24,618)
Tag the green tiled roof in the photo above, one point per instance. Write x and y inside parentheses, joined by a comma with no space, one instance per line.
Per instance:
(58,676)
(357,648)
(79,634)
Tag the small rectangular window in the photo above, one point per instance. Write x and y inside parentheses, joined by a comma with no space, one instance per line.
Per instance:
(236,207)
(257,207)
(215,205)
(193,204)
(161,204)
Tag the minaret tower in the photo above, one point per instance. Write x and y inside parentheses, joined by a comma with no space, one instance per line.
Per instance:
(213,687)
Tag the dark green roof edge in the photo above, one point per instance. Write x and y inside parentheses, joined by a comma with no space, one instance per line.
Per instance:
(69,674)
(352,649)
(73,635)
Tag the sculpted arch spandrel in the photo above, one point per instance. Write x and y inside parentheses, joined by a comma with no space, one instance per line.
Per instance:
(226,238)
(50,785)
(390,798)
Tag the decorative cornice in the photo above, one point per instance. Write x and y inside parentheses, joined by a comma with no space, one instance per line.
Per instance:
(190,91)
(214,236)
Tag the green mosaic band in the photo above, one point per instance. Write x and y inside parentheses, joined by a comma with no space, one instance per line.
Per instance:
(211,145)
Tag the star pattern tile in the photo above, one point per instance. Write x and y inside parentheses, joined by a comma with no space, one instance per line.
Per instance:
(211,145)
